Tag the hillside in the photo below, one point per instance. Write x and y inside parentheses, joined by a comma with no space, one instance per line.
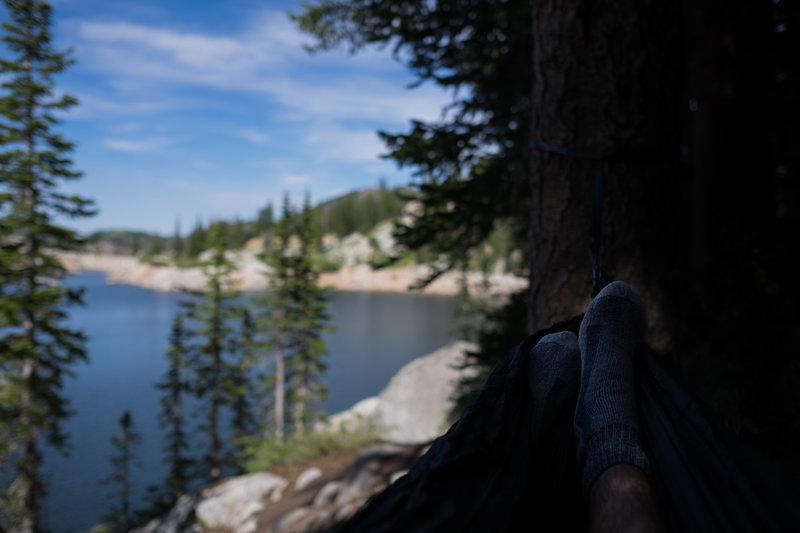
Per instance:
(357,250)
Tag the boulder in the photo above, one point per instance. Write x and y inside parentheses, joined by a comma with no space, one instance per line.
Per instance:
(176,520)
(415,405)
(307,477)
(231,503)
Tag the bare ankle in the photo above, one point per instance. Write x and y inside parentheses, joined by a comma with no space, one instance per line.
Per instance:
(621,499)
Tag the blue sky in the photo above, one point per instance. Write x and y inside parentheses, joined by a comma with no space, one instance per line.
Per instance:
(200,109)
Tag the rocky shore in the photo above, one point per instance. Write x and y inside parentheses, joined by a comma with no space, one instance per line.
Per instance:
(252,275)
(410,412)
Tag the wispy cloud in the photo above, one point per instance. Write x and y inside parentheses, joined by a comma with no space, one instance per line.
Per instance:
(152,144)
(267,58)
(253,135)
(296,179)
(332,142)
(236,110)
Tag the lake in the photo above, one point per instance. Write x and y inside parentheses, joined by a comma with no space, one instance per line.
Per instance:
(128,329)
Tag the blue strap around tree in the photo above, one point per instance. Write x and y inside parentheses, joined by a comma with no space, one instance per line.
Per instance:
(599,278)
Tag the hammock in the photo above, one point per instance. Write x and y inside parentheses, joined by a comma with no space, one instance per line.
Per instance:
(489,473)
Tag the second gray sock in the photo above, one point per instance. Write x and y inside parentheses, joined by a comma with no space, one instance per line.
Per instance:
(606,421)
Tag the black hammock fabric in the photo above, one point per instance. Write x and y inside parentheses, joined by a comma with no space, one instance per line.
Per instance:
(490,473)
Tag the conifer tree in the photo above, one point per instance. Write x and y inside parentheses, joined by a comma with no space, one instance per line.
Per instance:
(37,350)
(174,386)
(197,240)
(212,313)
(238,386)
(177,240)
(264,221)
(136,244)
(274,314)
(155,247)
(311,317)
(236,235)
(125,442)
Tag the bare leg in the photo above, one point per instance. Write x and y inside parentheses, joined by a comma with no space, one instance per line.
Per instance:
(621,500)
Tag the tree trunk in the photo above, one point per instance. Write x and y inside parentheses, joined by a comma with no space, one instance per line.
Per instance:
(688,104)
(604,83)
(280,378)
(300,408)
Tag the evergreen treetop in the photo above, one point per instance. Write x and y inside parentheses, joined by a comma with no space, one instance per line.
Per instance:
(37,350)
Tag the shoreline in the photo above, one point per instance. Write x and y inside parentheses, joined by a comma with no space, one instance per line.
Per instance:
(252,275)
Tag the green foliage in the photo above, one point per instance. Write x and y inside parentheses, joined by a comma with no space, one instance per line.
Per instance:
(359,211)
(118,241)
(290,318)
(177,241)
(472,164)
(37,349)
(274,318)
(504,328)
(211,314)
(236,235)
(174,386)
(125,442)
(264,221)
(196,240)
(307,365)
(238,384)
(324,262)
(265,454)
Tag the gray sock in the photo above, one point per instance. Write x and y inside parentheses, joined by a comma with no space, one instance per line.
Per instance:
(555,373)
(606,422)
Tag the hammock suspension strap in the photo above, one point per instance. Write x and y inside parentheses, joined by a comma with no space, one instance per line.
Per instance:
(599,278)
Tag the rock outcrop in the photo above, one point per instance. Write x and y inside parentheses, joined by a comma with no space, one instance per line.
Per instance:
(414,406)
(410,412)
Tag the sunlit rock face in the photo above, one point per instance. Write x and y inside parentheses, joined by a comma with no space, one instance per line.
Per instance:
(414,406)
(411,411)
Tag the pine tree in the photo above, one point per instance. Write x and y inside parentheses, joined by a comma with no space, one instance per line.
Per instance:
(174,386)
(236,237)
(177,241)
(155,247)
(37,350)
(212,313)
(274,315)
(136,244)
(264,222)
(125,442)
(196,241)
(310,302)
(238,386)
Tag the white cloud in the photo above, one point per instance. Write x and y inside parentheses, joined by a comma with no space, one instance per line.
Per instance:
(92,106)
(253,135)
(296,179)
(336,143)
(266,58)
(152,144)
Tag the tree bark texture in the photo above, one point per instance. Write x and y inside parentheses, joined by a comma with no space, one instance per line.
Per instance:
(604,83)
(690,104)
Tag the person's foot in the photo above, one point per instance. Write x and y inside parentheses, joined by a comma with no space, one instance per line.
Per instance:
(555,373)
(606,422)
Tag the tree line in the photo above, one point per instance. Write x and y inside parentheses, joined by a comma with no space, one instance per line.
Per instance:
(358,211)
(256,363)
(218,342)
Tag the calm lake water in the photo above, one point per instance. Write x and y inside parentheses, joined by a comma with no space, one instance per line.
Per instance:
(128,329)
